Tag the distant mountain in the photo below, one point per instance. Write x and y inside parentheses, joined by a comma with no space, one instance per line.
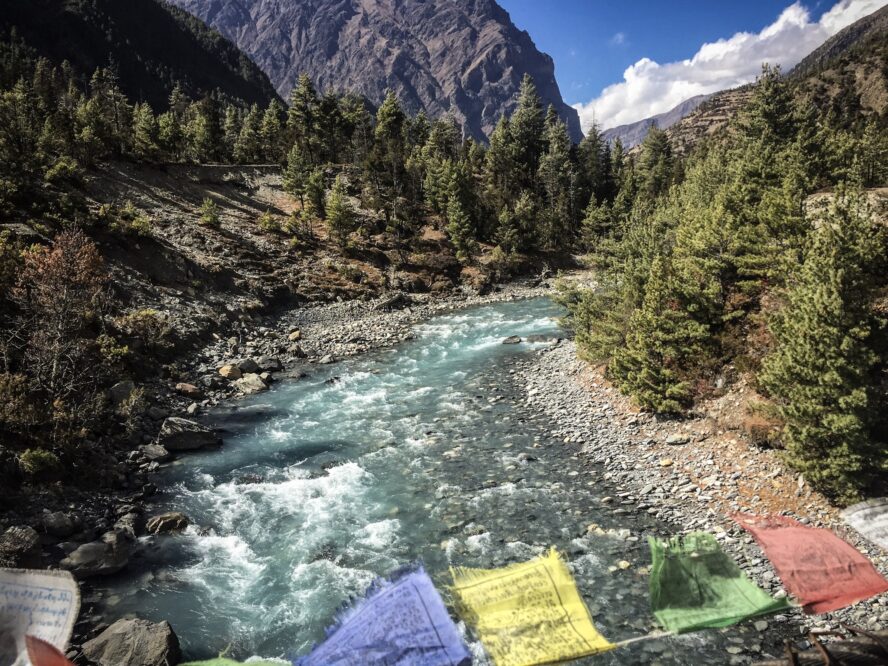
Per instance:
(463,57)
(633,134)
(847,73)
(152,44)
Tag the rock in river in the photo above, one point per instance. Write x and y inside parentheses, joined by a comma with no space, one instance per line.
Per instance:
(100,558)
(164,523)
(178,434)
(512,340)
(135,643)
(250,383)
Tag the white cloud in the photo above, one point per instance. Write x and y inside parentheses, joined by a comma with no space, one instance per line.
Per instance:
(618,39)
(649,88)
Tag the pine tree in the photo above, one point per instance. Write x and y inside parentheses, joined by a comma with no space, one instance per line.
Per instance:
(248,147)
(209,213)
(145,132)
(271,137)
(341,220)
(655,163)
(556,181)
(461,231)
(527,127)
(302,118)
(296,174)
(499,168)
(819,373)
(661,342)
(314,194)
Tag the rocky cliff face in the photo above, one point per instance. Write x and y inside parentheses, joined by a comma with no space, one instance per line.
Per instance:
(463,57)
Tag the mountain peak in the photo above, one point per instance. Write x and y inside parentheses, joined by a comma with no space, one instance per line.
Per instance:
(460,57)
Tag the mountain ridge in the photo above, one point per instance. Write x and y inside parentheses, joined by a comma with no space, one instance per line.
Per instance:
(632,134)
(93,33)
(460,57)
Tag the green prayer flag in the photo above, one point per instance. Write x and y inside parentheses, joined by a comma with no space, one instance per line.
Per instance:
(695,585)
(221,661)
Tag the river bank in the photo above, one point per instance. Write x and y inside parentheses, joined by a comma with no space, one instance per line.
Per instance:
(692,473)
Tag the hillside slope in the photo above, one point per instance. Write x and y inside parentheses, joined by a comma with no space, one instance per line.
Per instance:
(633,134)
(848,72)
(463,57)
(153,45)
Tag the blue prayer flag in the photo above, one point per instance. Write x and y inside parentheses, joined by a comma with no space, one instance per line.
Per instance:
(400,622)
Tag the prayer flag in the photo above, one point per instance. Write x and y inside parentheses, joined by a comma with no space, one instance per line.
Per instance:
(870,518)
(528,613)
(695,585)
(400,622)
(221,661)
(229,662)
(823,572)
(39,604)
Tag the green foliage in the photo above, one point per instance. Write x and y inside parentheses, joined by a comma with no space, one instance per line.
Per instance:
(820,372)
(315,194)
(209,213)
(268,222)
(660,345)
(40,464)
(461,232)
(341,220)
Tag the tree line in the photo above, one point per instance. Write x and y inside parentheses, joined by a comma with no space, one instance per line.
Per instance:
(721,265)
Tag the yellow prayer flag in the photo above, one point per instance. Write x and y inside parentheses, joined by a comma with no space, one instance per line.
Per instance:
(528,613)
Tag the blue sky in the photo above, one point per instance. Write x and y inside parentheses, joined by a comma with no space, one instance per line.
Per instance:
(647,47)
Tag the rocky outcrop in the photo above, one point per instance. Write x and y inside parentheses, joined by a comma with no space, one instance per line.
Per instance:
(178,434)
(135,643)
(462,57)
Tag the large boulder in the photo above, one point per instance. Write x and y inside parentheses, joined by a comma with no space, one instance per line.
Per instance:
(100,558)
(270,364)
(250,383)
(164,523)
(178,434)
(60,524)
(20,547)
(230,372)
(248,365)
(135,643)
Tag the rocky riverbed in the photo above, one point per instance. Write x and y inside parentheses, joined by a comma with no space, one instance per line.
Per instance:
(691,473)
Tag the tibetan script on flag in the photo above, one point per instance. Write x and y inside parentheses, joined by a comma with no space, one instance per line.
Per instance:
(43,604)
(529,613)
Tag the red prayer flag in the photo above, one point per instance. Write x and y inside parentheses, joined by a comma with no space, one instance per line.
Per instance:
(821,570)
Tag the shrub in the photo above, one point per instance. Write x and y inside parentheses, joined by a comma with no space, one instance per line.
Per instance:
(40,464)
(18,412)
(268,222)
(209,213)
